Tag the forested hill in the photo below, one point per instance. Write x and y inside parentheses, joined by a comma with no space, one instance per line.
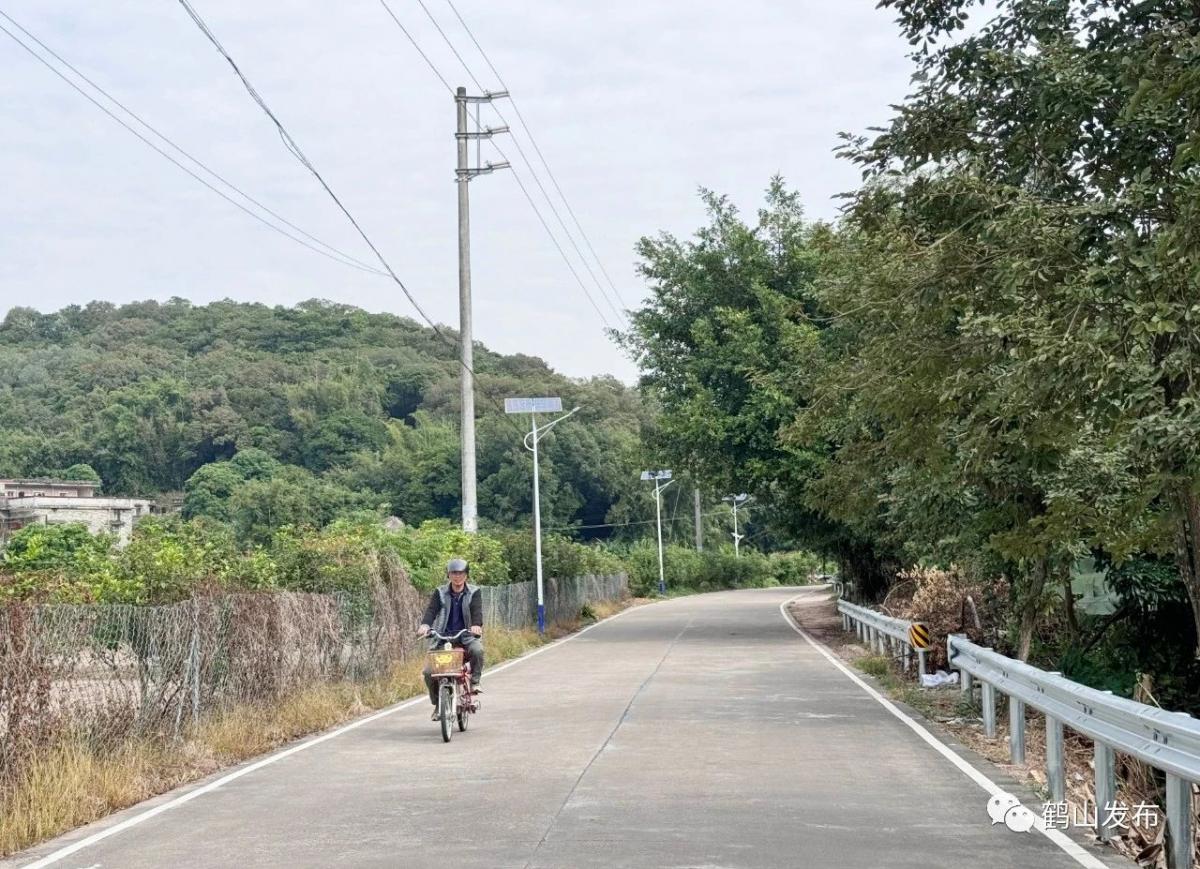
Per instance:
(333,409)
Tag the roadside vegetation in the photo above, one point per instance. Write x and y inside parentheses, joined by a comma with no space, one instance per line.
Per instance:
(75,781)
(987,366)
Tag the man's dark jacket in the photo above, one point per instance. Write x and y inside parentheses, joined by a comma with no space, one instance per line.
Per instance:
(438,610)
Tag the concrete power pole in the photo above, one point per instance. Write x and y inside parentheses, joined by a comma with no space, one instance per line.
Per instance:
(699,528)
(466,337)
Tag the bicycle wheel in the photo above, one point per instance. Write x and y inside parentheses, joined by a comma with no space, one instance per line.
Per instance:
(462,717)
(446,710)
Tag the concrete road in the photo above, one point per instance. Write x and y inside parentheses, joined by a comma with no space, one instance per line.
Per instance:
(698,732)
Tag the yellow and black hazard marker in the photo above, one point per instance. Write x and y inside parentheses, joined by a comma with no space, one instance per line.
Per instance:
(919,637)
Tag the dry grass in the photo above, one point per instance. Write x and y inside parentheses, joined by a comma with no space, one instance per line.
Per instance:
(72,784)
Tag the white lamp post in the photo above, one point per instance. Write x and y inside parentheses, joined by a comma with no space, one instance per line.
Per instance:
(736,501)
(659,488)
(534,406)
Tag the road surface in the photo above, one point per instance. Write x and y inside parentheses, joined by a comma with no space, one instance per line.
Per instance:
(698,732)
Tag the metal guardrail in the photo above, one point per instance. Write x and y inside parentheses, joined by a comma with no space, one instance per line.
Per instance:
(882,633)
(1169,741)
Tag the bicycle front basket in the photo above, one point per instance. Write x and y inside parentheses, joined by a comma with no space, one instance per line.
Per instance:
(445,662)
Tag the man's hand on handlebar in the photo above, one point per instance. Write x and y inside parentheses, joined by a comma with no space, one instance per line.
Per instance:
(422,630)
(477,630)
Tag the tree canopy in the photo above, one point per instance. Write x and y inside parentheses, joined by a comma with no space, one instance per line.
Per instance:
(270,416)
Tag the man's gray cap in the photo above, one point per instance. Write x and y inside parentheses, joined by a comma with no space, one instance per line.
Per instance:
(457,565)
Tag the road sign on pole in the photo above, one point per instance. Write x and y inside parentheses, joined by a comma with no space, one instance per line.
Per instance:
(658,477)
(534,406)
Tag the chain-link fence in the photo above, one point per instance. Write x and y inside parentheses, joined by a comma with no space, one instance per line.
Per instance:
(515,605)
(108,673)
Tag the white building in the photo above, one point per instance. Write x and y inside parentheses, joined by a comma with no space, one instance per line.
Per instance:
(59,502)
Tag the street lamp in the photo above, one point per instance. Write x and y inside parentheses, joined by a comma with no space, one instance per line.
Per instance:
(534,406)
(736,501)
(658,477)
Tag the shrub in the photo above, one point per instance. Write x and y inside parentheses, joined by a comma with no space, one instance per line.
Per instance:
(561,557)
(426,549)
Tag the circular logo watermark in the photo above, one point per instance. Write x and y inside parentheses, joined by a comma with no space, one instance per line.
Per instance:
(1004,808)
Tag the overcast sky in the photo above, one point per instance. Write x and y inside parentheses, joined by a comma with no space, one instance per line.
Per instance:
(635,104)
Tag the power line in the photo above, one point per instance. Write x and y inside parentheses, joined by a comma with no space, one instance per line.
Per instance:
(415,45)
(329,251)
(558,246)
(538,150)
(528,164)
(516,176)
(294,147)
(628,524)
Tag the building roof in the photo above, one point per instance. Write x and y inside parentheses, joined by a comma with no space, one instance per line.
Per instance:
(47,481)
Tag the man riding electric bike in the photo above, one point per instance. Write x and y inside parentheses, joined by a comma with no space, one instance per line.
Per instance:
(454,607)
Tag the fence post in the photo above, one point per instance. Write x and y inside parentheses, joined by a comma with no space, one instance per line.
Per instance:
(1016,733)
(1179,822)
(1106,788)
(1056,777)
(988,699)
(195,656)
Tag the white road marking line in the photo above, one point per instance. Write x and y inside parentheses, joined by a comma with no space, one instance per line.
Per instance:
(1058,837)
(101,835)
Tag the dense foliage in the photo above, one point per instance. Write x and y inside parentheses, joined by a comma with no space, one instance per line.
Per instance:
(269,416)
(171,559)
(990,360)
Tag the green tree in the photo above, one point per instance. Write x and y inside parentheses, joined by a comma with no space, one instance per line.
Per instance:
(81,471)
(1034,202)
(727,345)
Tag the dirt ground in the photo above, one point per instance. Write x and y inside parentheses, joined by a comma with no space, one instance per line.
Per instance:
(951,709)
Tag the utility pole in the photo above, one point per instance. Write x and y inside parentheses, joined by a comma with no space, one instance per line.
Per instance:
(699,528)
(464,173)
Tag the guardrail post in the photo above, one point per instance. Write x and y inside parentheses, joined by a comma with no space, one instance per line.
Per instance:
(1016,733)
(907,657)
(1056,777)
(964,678)
(989,709)
(1179,823)
(880,648)
(921,668)
(1106,788)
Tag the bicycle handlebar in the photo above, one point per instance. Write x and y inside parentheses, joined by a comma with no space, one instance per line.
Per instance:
(451,639)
